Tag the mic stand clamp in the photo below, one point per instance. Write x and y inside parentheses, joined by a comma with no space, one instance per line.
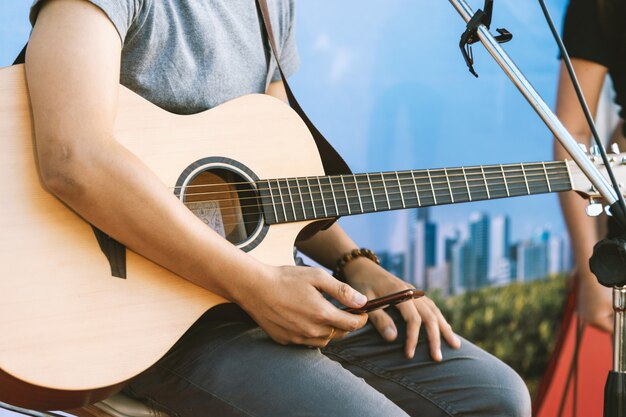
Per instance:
(470,36)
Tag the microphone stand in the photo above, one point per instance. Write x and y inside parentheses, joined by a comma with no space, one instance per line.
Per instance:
(608,262)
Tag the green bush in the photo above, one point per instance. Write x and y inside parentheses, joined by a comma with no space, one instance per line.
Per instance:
(518,323)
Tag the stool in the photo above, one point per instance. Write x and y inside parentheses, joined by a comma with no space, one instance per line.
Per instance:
(118,405)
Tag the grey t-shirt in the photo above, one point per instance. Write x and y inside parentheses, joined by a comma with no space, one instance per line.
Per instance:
(187,56)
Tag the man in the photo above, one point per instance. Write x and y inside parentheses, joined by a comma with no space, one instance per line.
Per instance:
(188,56)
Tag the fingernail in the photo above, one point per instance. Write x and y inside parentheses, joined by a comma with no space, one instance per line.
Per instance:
(439,355)
(389,333)
(458,340)
(359,298)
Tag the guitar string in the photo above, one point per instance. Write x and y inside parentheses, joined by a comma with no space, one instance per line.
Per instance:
(344,205)
(531,166)
(284,182)
(446,191)
(449,184)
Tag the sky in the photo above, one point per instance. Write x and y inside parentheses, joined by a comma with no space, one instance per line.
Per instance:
(386,83)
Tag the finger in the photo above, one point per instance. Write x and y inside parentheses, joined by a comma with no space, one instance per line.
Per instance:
(384,324)
(331,316)
(431,323)
(409,313)
(446,330)
(340,291)
(320,342)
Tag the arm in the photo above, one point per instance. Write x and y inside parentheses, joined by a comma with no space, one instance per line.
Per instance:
(594,300)
(327,246)
(72,70)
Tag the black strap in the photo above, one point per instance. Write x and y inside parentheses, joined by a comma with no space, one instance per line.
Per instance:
(21,57)
(332,161)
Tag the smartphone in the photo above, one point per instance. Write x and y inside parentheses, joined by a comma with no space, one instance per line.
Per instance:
(386,301)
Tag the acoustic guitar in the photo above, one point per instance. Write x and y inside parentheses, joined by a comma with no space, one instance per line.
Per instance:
(78,317)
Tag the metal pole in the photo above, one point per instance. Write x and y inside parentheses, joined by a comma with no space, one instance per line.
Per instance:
(542,109)
(619,328)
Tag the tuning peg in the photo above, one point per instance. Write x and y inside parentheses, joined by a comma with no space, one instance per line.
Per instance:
(615,148)
(583,147)
(594,209)
(594,150)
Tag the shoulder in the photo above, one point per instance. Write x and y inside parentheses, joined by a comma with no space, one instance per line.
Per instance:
(122,13)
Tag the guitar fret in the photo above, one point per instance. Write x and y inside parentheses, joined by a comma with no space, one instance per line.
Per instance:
(332,191)
(432,187)
(301,194)
(400,188)
(445,173)
(525,179)
(485,180)
(269,187)
(319,184)
(346,194)
(293,207)
(545,171)
(358,193)
(417,194)
(469,193)
(282,202)
(308,184)
(506,185)
(372,191)
(569,175)
(382,177)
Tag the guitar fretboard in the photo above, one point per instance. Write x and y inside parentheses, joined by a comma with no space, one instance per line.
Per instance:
(309,198)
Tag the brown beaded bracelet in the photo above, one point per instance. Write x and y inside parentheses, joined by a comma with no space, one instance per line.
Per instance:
(350,256)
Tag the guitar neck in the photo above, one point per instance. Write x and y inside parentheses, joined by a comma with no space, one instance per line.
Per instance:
(310,198)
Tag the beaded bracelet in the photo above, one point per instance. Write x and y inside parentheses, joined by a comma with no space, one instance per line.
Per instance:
(350,256)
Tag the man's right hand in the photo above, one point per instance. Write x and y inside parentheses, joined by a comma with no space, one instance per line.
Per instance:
(287,303)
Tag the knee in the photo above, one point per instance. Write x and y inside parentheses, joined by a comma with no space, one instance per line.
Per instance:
(508,396)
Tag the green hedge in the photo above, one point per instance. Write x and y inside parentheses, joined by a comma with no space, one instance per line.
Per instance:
(518,323)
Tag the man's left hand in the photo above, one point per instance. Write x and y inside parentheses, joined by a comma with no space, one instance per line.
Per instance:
(374,281)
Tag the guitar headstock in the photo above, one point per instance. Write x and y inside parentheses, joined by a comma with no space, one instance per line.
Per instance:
(582,185)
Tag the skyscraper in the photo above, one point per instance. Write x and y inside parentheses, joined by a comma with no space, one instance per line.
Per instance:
(422,248)
(499,244)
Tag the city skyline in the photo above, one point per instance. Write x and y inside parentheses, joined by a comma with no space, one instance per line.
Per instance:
(485,255)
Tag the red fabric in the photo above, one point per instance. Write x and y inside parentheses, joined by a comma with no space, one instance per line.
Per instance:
(587,381)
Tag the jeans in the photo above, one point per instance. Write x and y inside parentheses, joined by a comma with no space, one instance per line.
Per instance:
(232,368)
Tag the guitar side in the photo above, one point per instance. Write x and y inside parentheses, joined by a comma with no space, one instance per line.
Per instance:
(71,332)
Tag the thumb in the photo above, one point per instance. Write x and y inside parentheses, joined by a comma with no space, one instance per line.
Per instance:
(341,292)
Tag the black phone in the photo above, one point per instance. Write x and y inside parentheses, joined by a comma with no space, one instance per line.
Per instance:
(386,301)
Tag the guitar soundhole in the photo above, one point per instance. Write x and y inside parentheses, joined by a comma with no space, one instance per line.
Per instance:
(226,202)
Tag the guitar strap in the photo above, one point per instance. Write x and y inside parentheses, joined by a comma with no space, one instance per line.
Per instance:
(332,161)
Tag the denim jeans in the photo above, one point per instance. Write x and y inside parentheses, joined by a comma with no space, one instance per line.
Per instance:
(232,368)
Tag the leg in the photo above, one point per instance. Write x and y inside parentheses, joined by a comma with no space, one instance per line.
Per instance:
(235,369)
(469,381)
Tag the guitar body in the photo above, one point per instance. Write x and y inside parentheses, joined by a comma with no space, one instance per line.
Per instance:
(71,333)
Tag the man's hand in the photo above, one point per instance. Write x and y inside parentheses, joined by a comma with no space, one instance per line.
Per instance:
(595,304)
(373,281)
(287,303)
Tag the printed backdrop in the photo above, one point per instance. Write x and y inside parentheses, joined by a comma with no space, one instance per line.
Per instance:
(386,82)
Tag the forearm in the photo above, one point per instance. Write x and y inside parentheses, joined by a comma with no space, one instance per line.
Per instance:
(112,189)
(327,246)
